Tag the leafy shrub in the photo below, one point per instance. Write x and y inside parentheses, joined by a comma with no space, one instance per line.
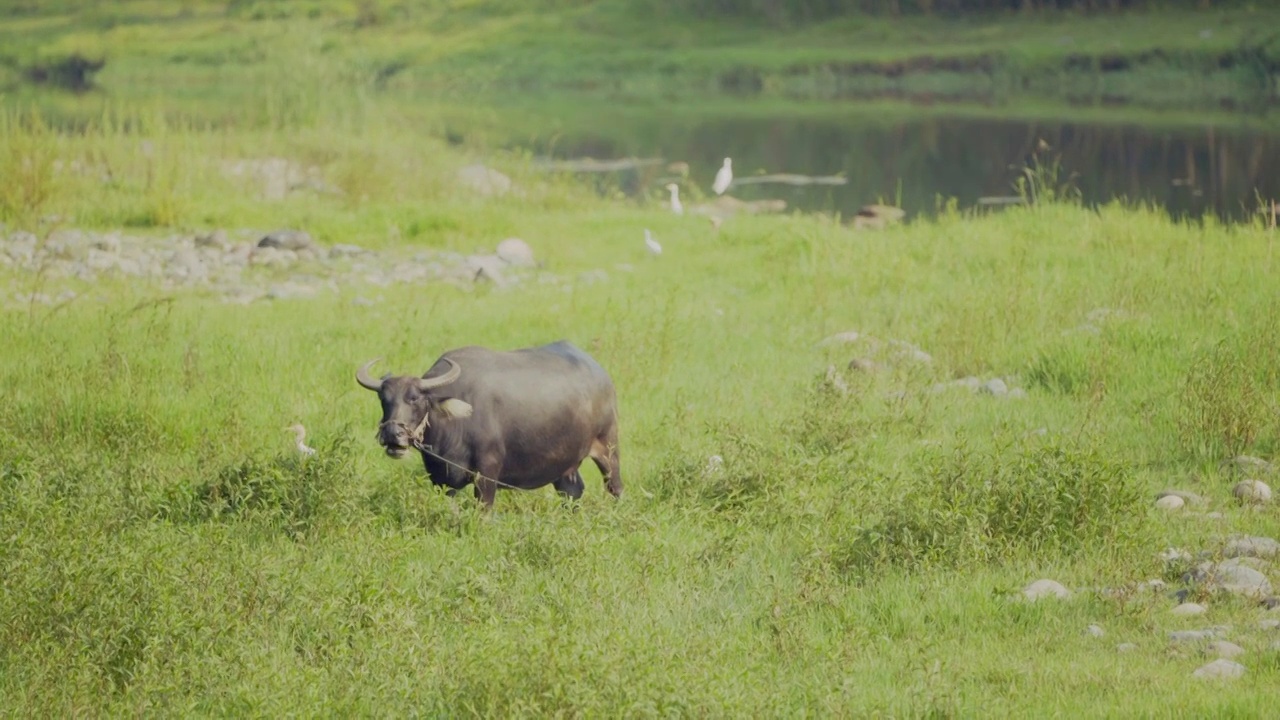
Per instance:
(1226,397)
(968,509)
(291,492)
(751,472)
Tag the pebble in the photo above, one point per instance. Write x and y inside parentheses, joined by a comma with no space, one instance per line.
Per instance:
(287,240)
(1170,502)
(1251,546)
(1188,636)
(1095,631)
(863,365)
(1268,624)
(1223,649)
(1126,647)
(515,251)
(1189,498)
(343,250)
(849,336)
(232,268)
(1189,609)
(1045,588)
(1220,669)
(1252,491)
(994,386)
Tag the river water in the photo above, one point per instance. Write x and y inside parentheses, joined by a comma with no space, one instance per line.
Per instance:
(1191,170)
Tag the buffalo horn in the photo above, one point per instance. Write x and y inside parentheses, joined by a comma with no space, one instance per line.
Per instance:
(362,376)
(445,379)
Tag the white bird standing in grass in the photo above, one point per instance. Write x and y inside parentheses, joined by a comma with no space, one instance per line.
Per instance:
(301,434)
(676,207)
(724,178)
(652,244)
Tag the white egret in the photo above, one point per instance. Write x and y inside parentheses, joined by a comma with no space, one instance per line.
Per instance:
(652,244)
(724,178)
(676,207)
(301,434)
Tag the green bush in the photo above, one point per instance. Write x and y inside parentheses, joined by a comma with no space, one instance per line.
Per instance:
(971,509)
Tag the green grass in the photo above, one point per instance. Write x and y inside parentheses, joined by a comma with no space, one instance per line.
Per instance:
(166,552)
(221,53)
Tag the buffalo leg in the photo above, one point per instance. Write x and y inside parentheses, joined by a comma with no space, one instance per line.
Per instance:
(571,485)
(486,481)
(604,453)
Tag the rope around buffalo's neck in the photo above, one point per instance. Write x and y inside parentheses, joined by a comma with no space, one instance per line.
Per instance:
(418,437)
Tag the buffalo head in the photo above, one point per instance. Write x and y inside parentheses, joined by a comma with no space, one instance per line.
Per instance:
(407,405)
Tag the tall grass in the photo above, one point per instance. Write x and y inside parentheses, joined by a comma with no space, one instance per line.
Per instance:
(167,551)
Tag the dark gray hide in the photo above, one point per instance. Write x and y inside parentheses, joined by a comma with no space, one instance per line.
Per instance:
(526,418)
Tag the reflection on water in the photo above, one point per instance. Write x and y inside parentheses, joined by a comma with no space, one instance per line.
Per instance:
(1189,171)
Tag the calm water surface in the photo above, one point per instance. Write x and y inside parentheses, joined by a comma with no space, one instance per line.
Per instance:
(1190,171)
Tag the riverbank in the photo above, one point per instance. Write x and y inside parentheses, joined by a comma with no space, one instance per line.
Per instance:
(1185,59)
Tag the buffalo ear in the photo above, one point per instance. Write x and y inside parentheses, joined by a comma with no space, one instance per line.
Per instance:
(455,408)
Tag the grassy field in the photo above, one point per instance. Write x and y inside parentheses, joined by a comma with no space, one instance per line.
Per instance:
(212,53)
(862,549)
(166,550)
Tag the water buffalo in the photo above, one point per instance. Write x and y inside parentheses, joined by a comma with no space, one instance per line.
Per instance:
(517,419)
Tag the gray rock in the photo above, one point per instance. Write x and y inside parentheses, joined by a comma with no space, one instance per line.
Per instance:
(1220,669)
(834,379)
(67,243)
(1045,588)
(1016,394)
(1189,498)
(1095,631)
(487,267)
(1126,647)
(865,365)
(517,252)
(1171,555)
(1223,649)
(1154,585)
(1249,465)
(483,180)
(216,240)
(1170,502)
(272,257)
(1192,636)
(994,386)
(1233,576)
(287,240)
(1188,610)
(904,350)
(841,338)
(343,250)
(109,243)
(1252,491)
(1269,624)
(1252,546)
